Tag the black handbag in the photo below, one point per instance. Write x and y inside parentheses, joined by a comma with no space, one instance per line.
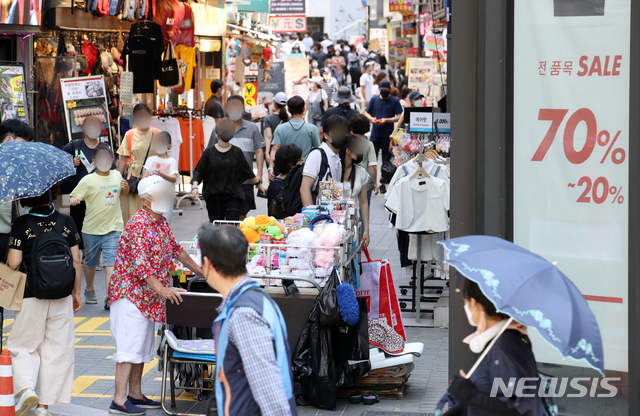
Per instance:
(170,75)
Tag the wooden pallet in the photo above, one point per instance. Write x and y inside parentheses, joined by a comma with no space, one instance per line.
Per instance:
(394,393)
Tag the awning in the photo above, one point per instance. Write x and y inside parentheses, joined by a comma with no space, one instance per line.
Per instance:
(250,35)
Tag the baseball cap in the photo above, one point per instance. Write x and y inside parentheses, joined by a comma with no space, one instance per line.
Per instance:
(151,185)
(415,95)
(384,85)
(317,80)
(280,98)
(326,70)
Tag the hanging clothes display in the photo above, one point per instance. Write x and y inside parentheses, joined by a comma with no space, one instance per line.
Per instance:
(141,62)
(197,139)
(153,32)
(420,203)
(187,62)
(171,126)
(187,29)
(208,125)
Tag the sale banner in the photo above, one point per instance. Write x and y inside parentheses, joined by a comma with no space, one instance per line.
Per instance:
(402,6)
(571,169)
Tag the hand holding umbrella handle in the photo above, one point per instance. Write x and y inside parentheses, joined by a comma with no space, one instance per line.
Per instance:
(486,350)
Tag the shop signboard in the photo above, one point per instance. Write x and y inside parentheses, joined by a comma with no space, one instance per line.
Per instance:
(210,19)
(287,6)
(85,97)
(570,155)
(420,72)
(409,24)
(288,23)
(250,90)
(270,81)
(402,6)
(381,36)
(12,98)
(258,6)
(296,77)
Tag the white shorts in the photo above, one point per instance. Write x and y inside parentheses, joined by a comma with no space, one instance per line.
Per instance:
(132,332)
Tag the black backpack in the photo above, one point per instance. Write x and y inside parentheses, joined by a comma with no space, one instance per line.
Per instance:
(288,198)
(51,275)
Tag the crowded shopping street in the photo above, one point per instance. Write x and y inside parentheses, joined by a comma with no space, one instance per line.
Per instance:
(298,207)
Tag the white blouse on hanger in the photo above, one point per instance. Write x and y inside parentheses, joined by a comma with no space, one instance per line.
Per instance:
(421,204)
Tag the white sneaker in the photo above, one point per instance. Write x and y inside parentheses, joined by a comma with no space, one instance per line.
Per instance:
(41,411)
(28,400)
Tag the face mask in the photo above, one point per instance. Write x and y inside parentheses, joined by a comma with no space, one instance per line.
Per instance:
(469,315)
(103,165)
(419,103)
(385,94)
(314,64)
(235,115)
(338,142)
(160,207)
(161,149)
(358,159)
(143,123)
(93,132)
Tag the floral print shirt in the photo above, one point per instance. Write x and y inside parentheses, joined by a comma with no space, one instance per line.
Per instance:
(147,248)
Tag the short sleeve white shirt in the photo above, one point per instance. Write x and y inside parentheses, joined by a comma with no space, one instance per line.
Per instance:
(314,161)
(421,204)
(361,180)
(366,82)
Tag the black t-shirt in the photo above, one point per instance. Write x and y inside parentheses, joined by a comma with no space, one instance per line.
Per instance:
(213,107)
(141,62)
(23,235)
(272,121)
(153,31)
(344,111)
(223,173)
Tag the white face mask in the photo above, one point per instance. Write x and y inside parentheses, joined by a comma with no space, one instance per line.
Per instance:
(419,103)
(93,132)
(103,165)
(235,115)
(314,64)
(161,149)
(160,207)
(469,315)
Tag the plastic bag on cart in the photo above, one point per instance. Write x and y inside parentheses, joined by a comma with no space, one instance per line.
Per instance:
(351,349)
(329,312)
(314,379)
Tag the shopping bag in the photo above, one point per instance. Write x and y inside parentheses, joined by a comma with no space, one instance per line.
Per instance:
(376,284)
(126,85)
(170,74)
(389,305)
(370,285)
(12,284)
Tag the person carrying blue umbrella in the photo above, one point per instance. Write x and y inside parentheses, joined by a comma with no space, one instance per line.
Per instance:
(509,291)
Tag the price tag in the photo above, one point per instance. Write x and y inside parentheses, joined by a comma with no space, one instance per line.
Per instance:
(421,122)
(442,121)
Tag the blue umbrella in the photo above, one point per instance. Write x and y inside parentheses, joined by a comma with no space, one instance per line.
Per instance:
(30,169)
(532,291)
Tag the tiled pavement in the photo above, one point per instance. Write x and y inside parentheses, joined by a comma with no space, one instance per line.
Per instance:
(93,386)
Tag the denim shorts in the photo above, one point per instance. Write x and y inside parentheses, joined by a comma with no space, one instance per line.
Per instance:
(93,244)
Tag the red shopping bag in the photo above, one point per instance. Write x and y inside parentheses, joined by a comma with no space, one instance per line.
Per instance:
(376,284)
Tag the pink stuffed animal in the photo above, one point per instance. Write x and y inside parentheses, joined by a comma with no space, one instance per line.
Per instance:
(330,237)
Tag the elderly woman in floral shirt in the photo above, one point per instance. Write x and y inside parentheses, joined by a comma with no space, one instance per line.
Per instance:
(140,283)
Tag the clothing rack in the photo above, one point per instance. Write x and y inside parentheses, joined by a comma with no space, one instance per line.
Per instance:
(190,113)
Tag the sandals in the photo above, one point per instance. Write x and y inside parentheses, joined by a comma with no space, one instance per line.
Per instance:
(367,398)
(370,398)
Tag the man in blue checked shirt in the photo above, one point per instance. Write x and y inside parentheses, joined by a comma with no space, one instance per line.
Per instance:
(253,373)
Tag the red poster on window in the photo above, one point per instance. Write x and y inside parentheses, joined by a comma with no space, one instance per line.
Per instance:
(402,6)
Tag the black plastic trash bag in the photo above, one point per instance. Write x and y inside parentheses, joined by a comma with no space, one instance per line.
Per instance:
(312,362)
(320,359)
(351,343)
(329,312)
(388,169)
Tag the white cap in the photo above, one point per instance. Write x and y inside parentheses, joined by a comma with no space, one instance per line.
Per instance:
(280,98)
(151,185)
